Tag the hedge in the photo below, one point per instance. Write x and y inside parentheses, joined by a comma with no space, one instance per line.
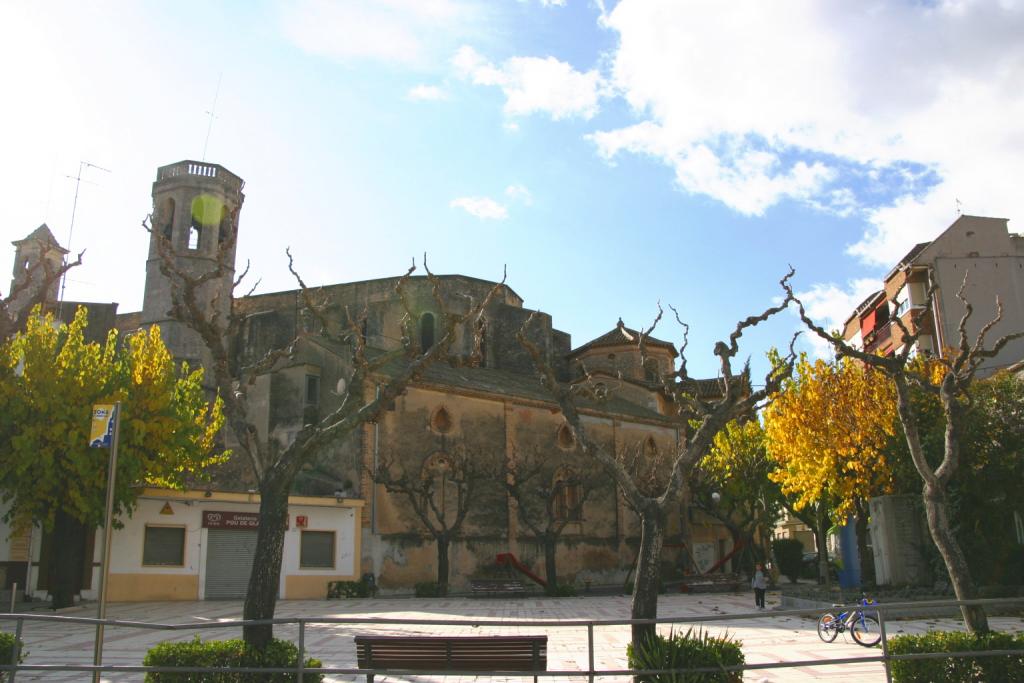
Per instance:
(957,669)
(693,649)
(431,589)
(789,552)
(7,652)
(226,653)
(564,590)
(349,589)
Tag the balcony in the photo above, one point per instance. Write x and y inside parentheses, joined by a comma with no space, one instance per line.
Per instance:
(875,340)
(213,172)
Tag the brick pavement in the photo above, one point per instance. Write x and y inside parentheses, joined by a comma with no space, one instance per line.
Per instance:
(766,638)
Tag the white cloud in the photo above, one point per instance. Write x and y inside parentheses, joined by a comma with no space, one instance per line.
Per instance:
(519,193)
(510,126)
(426,93)
(752,103)
(413,33)
(535,85)
(746,179)
(548,3)
(484,208)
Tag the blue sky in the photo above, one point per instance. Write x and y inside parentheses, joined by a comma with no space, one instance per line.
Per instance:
(610,154)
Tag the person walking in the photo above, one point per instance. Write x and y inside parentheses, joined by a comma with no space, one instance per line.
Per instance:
(760,584)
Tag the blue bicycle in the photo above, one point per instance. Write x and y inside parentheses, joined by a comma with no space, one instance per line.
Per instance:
(862,626)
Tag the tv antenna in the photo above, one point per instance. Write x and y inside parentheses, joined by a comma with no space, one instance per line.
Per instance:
(959,207)
(212,113)
(82,166)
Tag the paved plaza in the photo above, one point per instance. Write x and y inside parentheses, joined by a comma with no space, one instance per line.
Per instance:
(766,638)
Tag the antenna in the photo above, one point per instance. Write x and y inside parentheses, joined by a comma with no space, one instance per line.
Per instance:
(82,165)
(212,113)
(959,207)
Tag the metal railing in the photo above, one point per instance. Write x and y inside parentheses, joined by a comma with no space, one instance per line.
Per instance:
(885,658)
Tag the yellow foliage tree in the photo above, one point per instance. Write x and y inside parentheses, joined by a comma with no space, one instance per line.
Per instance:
(50,377)
(828,429)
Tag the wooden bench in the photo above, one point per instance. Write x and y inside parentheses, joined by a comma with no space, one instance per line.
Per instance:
(452,653)
(711,583)
(495,587)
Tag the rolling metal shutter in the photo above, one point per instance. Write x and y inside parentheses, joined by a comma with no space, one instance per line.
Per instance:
(229,556)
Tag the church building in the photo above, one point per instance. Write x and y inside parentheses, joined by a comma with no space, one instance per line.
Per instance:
(198,544)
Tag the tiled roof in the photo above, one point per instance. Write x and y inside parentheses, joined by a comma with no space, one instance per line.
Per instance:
(863,305)
(528,386)
(505,383)
(621,335)
(908,259)
(254,300)
(41,234)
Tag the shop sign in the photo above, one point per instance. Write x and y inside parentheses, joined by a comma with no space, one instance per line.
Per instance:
(230,520)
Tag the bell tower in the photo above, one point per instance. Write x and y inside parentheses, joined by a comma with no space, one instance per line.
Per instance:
(195,208)
(37,258)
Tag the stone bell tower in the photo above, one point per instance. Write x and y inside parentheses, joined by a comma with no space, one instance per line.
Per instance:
(37,258)
(195,208)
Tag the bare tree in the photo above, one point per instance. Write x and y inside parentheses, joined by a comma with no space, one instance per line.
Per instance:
(958,372)
(440,492)
(734,399)
(376,379)
(549,495)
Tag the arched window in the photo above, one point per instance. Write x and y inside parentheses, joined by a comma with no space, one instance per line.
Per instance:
(426,331)
(566,490)
(195,233)
(652,372)
(441,421)
(483,346)
(565,439)
(226,226)
(166,218)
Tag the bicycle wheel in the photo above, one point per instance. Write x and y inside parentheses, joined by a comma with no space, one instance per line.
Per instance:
(828,627)
(866,630)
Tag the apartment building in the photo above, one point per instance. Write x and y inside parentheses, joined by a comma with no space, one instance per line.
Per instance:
(979,249)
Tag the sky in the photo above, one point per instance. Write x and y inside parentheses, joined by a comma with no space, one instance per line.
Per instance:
(609,155)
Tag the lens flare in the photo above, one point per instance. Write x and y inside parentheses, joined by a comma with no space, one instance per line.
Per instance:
(207,210)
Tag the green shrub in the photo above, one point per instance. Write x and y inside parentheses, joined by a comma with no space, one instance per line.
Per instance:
(431,589)
(690,650)
(349,589)
(7,652)
(957,669)
(564,590)
(226,653)
(789,552)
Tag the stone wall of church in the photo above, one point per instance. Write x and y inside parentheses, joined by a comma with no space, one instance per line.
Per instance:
(599,546)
